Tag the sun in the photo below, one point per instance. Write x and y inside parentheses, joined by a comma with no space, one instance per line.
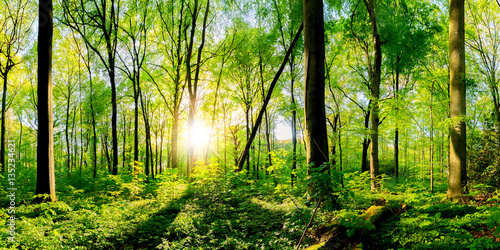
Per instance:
(200,135)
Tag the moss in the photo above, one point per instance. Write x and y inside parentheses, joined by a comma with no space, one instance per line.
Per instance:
(315,247)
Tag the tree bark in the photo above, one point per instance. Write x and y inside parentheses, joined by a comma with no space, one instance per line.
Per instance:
(315,119)
(375,74)
(66,132)
(458,143)
(46,184)
(396,132)
(431,155)
(366,145)
(4,103)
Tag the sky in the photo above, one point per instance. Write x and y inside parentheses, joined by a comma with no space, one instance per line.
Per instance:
(283,131)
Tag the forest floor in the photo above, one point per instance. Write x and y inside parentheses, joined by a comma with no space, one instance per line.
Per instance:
(121,212)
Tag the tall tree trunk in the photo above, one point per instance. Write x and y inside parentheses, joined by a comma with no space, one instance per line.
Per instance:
(396,132)
(340,157)
(4,103)
(375,74)
(106,151)
(225,136)
(191,92)
(405,169)
(294,119)
(247,111)
(458,143)
(45,148)
(442,154)
(136,126)
(153,164)
(124,147)
(315,120)
(366,144)
(193,86)
(147,127)
(175,136)
(19,154)
(161,145)
(431,155)
(66,134)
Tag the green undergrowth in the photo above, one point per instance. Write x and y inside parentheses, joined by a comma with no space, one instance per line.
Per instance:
(229,210)
(430,222)
(166,213)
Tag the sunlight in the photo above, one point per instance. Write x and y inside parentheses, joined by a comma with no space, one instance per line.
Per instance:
(200,135)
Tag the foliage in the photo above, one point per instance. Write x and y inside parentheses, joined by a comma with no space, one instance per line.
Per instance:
(484,159)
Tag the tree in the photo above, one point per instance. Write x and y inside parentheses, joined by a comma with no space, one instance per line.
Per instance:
(172,31)
(97,23)
(406,31)
(315,120)
(293,10)
(46,184)
(14,31)
(458,143)
(484,42)
(269,94)
(134,34)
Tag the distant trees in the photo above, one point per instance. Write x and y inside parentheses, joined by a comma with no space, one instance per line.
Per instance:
(15,27)
(97,23)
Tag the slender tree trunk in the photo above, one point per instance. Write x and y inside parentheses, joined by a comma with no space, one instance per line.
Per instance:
(340,157)
(45,148)
(248,135)
(193,86)
(375,74)
(19,155)
(396,132)
(442,155)
(405,171)
(153,164)
(148,129)
(294,119)
(114,134)
(175,136)
(4,107)
(431,155)
(366,145)
(458,143)
(225,136)
(268,141)
(124,147)
(66,134)
(161,145)
(136,126)
(74,137)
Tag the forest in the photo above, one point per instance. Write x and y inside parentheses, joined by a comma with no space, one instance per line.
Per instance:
(250,124)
